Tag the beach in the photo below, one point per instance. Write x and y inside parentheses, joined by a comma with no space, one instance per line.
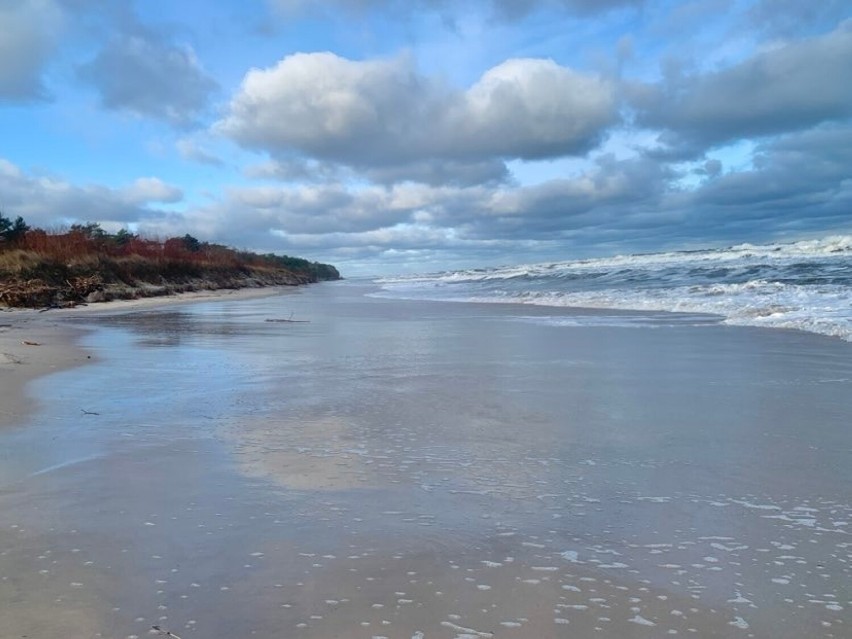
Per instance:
(413,468)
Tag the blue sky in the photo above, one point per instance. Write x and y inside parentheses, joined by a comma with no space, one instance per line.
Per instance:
(388,136)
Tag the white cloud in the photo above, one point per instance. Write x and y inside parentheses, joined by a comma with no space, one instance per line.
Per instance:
(382,114)
(533,109)
(151,189)
(785,88)
(29,30)
(145,75)
(472,213)
(46,201)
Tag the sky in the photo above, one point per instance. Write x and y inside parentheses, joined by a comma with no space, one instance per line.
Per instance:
(391,136)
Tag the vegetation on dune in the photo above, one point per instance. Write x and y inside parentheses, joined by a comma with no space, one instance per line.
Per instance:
(87,264)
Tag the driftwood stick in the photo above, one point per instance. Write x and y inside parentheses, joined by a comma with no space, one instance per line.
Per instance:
(289,320)
(165,633)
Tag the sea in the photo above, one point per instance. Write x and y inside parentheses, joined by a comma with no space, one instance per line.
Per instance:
(804,285)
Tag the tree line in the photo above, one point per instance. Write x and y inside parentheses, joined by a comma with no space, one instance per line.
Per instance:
(90,241)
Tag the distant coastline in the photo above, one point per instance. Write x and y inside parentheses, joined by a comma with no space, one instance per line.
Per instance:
(86,264)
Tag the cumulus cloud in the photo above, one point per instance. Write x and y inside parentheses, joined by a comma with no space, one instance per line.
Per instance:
(327,208)
(795,180)
(47,200)
(404,214)
(787,88)
(534,109)
(378,114)
(145,75)
(151,189)
(29,31)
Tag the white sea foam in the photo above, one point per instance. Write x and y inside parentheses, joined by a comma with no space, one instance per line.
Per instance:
(740,623)
(639,619)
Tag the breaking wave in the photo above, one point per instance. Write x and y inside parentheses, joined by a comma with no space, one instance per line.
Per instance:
(804,285)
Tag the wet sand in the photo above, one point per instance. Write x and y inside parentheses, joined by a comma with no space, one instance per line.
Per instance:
(31,346)
(396,469)
(34,343)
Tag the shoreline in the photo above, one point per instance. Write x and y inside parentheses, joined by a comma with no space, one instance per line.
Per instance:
(32,346)
(35,343)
